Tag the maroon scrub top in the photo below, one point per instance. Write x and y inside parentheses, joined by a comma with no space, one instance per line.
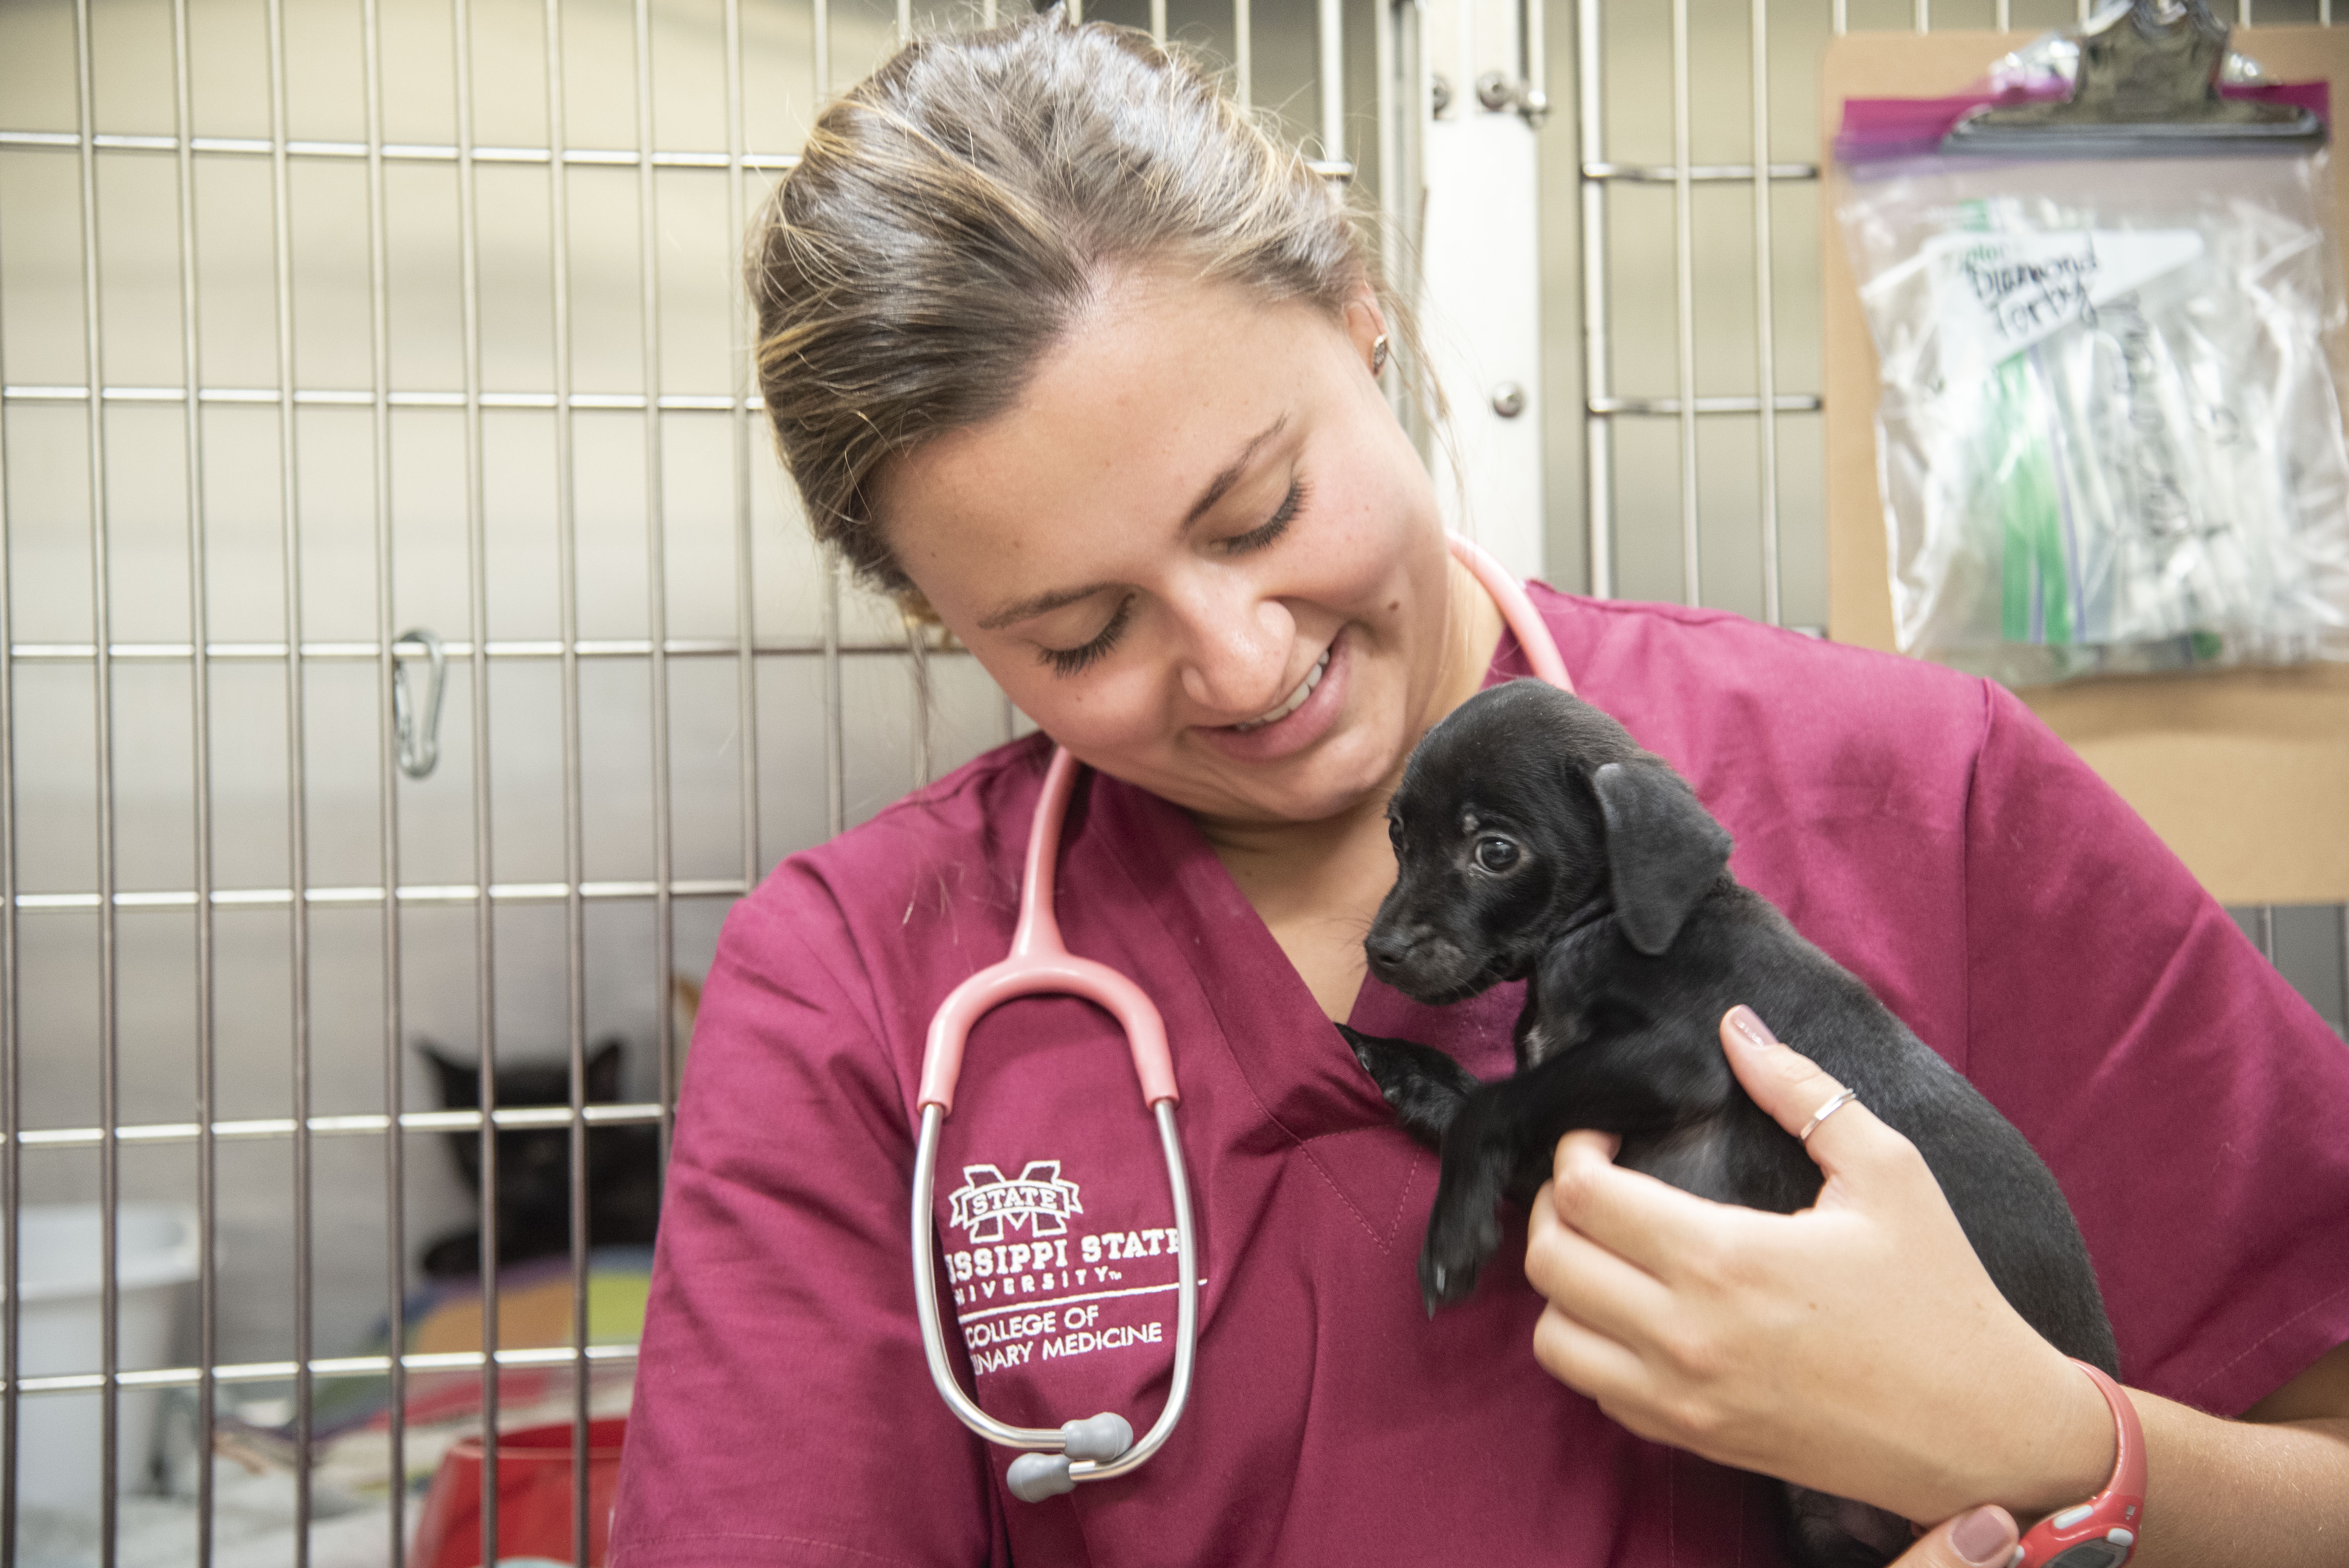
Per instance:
(1920,825)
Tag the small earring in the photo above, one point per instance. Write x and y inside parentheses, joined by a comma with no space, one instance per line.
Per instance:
(1378,354)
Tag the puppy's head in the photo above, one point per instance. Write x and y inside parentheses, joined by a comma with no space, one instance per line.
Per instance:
(1523,814)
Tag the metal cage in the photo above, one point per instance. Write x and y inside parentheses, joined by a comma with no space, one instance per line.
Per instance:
(345,342)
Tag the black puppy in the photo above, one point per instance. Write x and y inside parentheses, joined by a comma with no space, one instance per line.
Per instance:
(1536,841)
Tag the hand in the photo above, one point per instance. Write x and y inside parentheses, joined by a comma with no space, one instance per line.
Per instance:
(1984,1537)
(1858,1347)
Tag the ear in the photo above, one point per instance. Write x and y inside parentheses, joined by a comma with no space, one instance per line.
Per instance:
(460,1084)
(1365,321)
(604,1074)
(1664,849)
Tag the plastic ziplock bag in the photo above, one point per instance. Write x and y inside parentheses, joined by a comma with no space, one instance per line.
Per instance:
(2108,438)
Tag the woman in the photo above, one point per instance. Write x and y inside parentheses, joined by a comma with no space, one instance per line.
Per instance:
(1061,349)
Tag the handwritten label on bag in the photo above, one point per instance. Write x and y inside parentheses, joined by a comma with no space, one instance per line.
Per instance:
(1996,294)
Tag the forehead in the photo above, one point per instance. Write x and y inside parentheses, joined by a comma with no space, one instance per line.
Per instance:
(1126,421)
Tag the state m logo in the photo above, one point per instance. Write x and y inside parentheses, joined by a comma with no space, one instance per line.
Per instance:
(1037,1200)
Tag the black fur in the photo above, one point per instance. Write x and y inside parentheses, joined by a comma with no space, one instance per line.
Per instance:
(533,1195)
(1536,841)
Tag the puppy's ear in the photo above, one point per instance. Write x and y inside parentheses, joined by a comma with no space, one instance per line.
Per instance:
(1664,849)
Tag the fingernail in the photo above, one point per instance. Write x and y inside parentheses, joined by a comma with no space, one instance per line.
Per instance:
(1985,1536)
(1747,1022)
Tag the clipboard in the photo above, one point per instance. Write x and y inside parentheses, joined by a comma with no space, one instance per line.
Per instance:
(2243,773)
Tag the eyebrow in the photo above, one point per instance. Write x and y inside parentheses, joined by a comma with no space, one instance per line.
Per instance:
(1217,488)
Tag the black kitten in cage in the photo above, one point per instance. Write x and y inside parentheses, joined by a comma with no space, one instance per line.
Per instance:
(533,1195)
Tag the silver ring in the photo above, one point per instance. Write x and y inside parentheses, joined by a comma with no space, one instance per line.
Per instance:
(1832,1106)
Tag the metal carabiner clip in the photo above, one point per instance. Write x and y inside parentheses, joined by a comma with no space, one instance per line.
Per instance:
(419,744)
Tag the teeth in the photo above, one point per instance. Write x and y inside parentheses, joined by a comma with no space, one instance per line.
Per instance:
(1296,698)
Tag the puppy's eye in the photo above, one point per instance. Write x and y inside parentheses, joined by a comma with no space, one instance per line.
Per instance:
(1496,855)
(1394,833)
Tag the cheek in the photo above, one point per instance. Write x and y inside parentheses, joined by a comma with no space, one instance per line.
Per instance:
(1507,908)
(1095,713)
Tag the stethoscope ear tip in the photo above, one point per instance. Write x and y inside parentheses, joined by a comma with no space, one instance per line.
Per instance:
(1096,1438)
(1032,1478)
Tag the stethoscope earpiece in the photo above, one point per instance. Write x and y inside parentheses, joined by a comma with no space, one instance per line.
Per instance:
(1032,1478)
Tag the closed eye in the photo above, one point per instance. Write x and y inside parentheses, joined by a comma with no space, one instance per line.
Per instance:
(1074,661)
(1272,527)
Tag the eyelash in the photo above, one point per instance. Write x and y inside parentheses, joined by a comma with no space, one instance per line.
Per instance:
(1075,661)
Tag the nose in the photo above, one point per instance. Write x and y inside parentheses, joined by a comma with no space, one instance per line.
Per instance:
(1389,950)
(1239,647)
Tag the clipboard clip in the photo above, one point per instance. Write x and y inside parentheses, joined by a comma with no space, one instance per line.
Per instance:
(2147,87)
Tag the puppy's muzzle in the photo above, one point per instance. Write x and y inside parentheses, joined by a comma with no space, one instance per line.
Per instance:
(1390,952)
(1424,965)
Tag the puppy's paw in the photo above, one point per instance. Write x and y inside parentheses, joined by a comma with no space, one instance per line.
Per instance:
(1460,1237)
(1425,1087)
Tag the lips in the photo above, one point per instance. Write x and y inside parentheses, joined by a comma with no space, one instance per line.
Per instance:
(1296,698)
(1300,720)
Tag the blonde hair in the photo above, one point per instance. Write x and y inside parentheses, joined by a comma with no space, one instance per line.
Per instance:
(956,211)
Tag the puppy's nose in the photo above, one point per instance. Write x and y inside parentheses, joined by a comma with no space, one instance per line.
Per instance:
(1389,950)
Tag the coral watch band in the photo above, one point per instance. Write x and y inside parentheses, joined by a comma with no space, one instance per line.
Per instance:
(2102,1531)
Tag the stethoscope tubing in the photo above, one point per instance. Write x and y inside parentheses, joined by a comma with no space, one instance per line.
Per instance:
(1053,1440)
(1038,964)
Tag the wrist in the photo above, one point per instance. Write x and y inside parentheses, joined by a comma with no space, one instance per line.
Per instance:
(2100,1531)
(2072,1453)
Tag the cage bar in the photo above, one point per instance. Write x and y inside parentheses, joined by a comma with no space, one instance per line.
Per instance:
(574,908)
(1329,44)
(478,618)
(1765,308)
(12,1076)
(396,152)
(395,1092)
(297,841)
(1598,379)
(101,620)
(1243,54)
(746,669)
(200,699)
(1684,306)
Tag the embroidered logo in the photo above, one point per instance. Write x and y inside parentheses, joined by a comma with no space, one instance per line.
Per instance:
(1037,1200)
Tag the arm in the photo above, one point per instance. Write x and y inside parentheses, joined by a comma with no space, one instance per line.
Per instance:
(783,1403)
(1858,1347)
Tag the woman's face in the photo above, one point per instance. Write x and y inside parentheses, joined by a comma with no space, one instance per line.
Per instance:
(1200,553)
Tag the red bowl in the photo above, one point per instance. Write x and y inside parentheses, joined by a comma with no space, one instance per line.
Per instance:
(534,1496)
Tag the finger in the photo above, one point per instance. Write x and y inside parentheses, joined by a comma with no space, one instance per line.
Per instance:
(1793,1090)
(1597,1288)
(1974,1539)
(1588,1363)
(1629,1213)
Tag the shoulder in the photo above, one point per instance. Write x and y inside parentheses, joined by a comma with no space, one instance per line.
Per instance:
(1765,721)
(956,839)
(840,954)
(1648,663)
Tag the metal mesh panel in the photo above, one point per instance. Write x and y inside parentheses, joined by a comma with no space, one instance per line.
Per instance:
(383,318)
(1698,464)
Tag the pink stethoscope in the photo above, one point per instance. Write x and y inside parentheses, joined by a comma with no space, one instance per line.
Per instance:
(1102,1446)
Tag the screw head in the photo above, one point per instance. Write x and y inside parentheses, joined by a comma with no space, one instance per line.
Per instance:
(1508,399)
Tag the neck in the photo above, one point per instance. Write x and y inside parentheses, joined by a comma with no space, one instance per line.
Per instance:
(1317,885)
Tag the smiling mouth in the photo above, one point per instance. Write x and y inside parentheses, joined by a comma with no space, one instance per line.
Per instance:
(1296,698)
